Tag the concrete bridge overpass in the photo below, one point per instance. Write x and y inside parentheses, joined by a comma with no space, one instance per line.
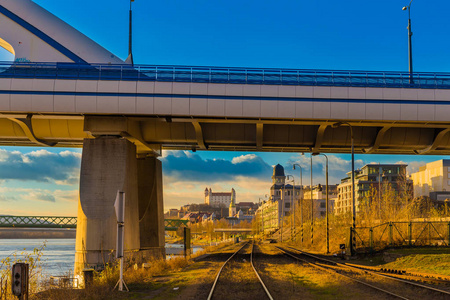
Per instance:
(199,108)
(65,90)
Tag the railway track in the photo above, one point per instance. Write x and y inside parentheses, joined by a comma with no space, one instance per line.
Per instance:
(237,264)
(373,280)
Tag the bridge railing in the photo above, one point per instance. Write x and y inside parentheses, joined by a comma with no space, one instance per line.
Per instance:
(38,222)
(65,222)
(225,75)
(399,234)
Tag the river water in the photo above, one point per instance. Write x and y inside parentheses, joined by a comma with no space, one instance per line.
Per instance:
(58,255)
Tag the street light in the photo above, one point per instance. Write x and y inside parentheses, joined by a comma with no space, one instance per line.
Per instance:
(301,199)
(130,36)
(282,209)
(312,206)
(408,8)
(291,206)
(336,125)
(262,213)
(328,232)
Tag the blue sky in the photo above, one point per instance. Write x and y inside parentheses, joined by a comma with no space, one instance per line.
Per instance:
(346,35)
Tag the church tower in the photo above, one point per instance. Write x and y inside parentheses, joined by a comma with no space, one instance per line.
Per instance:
(206,196)
(278,175)
(232,209)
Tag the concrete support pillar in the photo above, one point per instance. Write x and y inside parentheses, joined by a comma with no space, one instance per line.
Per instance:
(151,206)
(108,164)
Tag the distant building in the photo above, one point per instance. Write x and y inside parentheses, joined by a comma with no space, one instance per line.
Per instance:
(319,195)
(368,181)
(269,214)
(196,217)
(283,197)
(173,212)
(433,181)
(248,208)
(221,199)
(432,177)
(232,208)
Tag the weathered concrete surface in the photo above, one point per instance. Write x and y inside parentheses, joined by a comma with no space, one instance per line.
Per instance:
(151,206)
(108,165)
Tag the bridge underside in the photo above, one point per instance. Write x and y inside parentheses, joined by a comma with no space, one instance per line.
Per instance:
(151,134)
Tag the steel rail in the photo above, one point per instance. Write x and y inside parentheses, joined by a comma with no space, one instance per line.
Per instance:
(257,275)
(374,273)
(335,272)
(220,271)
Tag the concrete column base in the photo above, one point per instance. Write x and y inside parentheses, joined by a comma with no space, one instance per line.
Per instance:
(108,165)
(151,206)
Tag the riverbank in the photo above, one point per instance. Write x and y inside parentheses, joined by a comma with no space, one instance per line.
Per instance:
(37,233)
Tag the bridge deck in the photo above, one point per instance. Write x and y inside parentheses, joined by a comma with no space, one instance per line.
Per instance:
(263,76)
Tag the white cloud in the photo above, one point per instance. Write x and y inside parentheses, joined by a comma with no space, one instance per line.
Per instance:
(41,166)
(243,158)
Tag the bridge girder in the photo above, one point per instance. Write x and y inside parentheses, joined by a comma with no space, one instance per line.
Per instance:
(152,134)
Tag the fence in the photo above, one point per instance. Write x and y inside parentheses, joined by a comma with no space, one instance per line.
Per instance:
(399,234)
(225,75)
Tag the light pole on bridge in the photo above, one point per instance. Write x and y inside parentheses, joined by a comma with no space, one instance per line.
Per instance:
(408,8)
(130,36)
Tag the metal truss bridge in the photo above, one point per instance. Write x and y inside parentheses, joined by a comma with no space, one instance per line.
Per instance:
(64,222)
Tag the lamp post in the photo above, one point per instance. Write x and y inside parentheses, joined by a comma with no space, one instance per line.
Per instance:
(291,206)
(326,204)
(408,8)
(262,214)
(301,199)
(336,125)
(312,205)
(130,36)
(282,209)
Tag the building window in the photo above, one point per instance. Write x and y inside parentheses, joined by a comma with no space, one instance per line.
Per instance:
(322,204)
(287,205)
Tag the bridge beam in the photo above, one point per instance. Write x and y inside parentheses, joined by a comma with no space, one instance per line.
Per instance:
(437,141)
(259,136)
(199,135)
(120,126)
(319,137)
(376,144)
(27,127)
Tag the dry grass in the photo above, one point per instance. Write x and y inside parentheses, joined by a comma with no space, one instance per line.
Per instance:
(163,279)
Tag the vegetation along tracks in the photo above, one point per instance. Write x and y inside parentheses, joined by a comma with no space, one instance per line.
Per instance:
(236,278)
(404,289)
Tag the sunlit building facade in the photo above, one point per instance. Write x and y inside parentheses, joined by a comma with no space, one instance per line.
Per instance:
(221,199)
(433,180)
(369,180)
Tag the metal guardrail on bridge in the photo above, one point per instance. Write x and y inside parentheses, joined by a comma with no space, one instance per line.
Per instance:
(265,76)
(65,222)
